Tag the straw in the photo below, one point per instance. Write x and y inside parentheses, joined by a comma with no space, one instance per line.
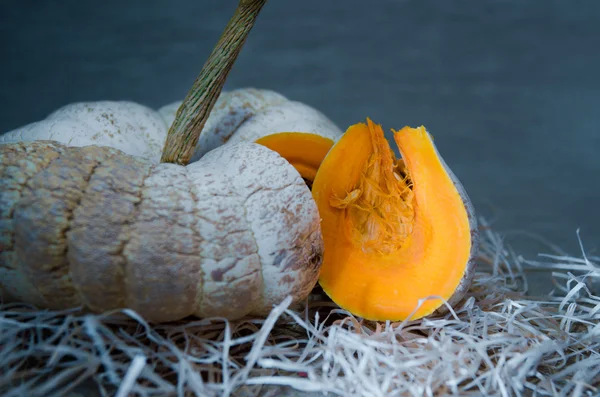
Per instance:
(498,341)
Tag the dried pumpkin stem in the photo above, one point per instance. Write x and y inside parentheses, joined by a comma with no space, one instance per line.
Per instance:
(193,112)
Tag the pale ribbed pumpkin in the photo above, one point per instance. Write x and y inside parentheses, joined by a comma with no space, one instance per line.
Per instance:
(89,217)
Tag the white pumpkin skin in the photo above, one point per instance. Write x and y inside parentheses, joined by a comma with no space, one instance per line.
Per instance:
(241,115)
(230,235)
(290,116)
(230,111)
(130,127)
(245,115)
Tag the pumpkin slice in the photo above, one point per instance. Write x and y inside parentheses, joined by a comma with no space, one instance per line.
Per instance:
(305,151)
(396,231)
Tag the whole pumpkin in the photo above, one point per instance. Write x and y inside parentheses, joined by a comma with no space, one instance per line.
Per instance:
(89,217)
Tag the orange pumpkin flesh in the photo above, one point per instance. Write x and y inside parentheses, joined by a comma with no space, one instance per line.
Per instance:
(304,151)
(395,231)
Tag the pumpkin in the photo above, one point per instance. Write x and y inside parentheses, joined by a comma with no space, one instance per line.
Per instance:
(230,234)
(89,217)
(396,231)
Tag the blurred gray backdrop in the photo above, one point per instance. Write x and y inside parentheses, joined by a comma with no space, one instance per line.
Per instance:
(509,88)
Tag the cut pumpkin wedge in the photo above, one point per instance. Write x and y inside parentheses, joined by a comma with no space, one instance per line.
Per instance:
(305,151)
(399,234)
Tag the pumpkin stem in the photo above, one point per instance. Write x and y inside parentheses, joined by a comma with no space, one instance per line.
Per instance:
(197,105)
(378,211)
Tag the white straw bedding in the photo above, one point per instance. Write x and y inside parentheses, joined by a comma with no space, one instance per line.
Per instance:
(498,341)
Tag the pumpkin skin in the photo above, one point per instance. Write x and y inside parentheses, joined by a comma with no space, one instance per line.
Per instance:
(395,231)
(128,126)
(247,115)
(229,235)
(241,115)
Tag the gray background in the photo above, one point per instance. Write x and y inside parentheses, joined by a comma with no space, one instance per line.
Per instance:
(509,88)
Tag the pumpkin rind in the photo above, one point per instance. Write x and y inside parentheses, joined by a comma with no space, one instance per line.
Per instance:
(290,116)
(128,126)
(467,279)
(241,115)
(231,110)
(246,115)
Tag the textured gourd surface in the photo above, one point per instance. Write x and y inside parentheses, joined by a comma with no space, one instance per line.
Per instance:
(246,115)
(241,115)
(229,235)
